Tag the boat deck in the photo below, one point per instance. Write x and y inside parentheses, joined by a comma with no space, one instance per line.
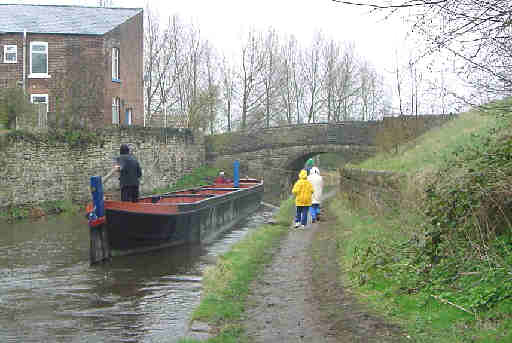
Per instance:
(169,203)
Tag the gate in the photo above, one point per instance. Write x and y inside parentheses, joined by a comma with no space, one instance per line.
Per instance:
(42,116)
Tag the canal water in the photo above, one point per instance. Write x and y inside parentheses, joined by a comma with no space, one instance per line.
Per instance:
(50,293)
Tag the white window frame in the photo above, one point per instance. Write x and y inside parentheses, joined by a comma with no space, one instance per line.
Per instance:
(116,108)
(6,51)
(38,75)
(115,64)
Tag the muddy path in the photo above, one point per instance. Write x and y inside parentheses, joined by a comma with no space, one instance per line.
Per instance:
(301,298)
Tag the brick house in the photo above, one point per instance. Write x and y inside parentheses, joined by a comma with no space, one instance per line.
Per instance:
(84,63)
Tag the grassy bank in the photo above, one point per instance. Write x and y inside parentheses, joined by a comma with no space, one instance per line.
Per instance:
(429,151)
(226,285)
(14,213)
(440,262)
(198,177)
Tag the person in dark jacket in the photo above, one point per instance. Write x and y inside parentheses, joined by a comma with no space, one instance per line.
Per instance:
(129,174)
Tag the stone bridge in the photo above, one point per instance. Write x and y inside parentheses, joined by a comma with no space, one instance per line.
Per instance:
(277,154)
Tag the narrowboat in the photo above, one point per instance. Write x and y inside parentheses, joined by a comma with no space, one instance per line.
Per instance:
(189,216)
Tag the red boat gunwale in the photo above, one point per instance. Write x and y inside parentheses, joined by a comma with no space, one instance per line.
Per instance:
(167,204)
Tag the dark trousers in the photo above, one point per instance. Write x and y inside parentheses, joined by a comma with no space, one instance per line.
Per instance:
(302,215)
(130,193)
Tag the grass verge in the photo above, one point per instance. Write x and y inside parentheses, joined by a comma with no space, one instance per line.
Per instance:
(226,285)
(390,282)
(198,177)
(440,263)
(14,213)
(430,150)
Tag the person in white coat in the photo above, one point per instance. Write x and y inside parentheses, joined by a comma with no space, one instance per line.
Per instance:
(318,184)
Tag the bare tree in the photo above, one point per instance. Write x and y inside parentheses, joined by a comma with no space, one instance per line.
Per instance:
(365,89)
(270,76)
(180,79)
(372,95)
(312,78)
(331,71)
(153,58)
(253,62)
(298,85)
(476,32)
(347,87)
(228,82)
(271,84)
(193,51)
(105,3)
(212,89)
(289,86)
(399,86)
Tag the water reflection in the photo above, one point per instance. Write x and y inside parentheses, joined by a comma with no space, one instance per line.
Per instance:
(49,293)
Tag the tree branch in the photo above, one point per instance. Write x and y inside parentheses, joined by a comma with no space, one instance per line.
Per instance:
(414,3)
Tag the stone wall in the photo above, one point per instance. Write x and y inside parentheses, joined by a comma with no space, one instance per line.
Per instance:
(382,188)
(277,154)
(36,169)
(350,133)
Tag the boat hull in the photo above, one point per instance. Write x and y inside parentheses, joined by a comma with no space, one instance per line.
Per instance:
(139,228)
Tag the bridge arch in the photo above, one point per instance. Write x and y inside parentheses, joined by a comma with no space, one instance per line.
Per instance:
(277,154)
(279,167)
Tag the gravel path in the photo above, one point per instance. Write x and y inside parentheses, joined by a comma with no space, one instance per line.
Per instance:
(300,297)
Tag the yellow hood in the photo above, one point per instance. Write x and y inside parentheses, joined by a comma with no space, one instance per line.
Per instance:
(303,190)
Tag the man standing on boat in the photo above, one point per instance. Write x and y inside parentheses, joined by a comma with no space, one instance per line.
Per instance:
(129,174)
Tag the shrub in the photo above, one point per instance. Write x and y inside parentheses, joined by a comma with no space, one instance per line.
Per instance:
(13,103)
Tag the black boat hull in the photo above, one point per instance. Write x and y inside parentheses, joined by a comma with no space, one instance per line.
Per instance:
(198,222)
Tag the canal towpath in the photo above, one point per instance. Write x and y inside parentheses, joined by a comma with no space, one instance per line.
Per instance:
(301,297)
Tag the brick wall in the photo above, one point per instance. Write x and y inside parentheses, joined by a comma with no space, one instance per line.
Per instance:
(11,72)
(80,88)
(76,68)
(33,171)
(128,38)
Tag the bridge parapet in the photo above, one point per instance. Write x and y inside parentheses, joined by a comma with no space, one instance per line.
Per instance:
(352,133)
(343,133)
(276,154)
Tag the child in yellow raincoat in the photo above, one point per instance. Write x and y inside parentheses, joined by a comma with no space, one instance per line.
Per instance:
(303,191)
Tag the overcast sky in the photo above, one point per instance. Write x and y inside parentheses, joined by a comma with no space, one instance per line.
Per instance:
(223,22)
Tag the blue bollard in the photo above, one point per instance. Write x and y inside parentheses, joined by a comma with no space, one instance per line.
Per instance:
(97,196)
(236,174)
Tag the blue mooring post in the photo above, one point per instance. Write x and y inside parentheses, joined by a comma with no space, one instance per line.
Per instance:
(97,196)
(99,246)
(236,174)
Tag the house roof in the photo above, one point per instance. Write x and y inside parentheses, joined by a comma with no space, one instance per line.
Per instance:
(63,19)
